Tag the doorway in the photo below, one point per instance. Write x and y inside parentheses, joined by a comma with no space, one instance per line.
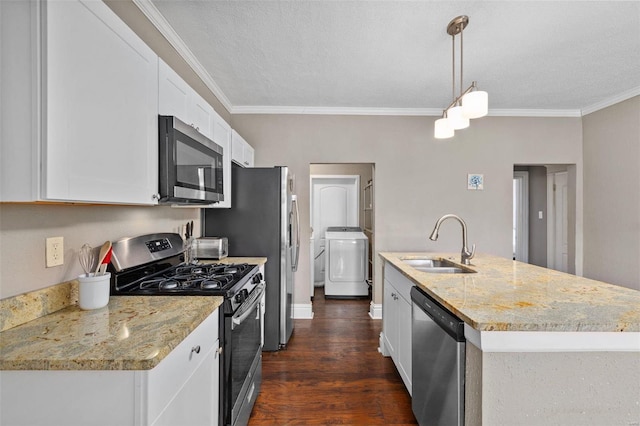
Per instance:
(334,202)
(544,215)
(340,195)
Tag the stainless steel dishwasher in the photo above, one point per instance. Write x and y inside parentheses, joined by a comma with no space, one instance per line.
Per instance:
(438,359)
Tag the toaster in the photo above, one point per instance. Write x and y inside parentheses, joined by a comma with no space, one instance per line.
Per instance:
(210,248)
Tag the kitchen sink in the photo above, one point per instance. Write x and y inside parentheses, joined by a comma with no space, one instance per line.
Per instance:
(437,266)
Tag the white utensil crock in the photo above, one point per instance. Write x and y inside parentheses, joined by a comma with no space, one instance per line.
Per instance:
(93,292)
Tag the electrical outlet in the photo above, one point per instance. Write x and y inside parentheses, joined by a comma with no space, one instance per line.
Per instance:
(55,251)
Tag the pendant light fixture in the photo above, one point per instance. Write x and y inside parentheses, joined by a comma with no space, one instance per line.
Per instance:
(471,103)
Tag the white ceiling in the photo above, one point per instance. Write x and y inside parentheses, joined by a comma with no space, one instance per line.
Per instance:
(532,57)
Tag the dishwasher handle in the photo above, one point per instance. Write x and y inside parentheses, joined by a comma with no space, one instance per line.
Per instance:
(451,324)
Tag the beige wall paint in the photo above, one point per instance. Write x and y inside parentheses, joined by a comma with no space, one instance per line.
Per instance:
(24,228)
(418,178)
(612,194)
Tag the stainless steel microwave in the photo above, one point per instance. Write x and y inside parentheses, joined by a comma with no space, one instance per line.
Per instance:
(190,164)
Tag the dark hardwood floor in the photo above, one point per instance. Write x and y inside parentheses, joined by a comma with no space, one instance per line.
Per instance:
(332,373)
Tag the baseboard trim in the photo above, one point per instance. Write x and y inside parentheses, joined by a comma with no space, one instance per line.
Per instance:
(375,310)
(303,311)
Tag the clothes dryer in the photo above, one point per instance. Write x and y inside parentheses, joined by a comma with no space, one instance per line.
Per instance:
(346,270)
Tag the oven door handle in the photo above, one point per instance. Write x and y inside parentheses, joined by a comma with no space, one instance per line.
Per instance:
(248,306)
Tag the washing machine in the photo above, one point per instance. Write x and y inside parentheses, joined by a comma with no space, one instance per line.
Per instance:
(346,271)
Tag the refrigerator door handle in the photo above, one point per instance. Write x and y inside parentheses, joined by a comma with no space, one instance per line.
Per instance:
(294,201)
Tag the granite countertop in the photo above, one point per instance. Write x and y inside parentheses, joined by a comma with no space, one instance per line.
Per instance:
(505,295)
(249,260)
(130,333)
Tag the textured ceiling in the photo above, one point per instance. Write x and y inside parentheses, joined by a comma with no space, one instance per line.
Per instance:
(556,56)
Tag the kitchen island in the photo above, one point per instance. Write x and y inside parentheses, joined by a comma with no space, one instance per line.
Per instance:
(543,347)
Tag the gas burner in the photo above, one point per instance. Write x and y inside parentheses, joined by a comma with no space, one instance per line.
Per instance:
(227,278)
(169,285)
(159,284)
(209,284)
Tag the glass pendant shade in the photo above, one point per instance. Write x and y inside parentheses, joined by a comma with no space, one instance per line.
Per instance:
(442,129)
(475,104)
(456,118)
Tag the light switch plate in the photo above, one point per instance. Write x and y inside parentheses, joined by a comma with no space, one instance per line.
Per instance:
(55,251)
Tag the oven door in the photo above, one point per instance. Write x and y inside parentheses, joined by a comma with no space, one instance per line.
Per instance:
(246,356)
(190,164)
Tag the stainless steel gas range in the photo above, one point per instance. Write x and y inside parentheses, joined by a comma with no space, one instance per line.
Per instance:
(153,264)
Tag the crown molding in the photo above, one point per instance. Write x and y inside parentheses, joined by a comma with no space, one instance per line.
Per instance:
(433,112)
(534,113)
(334,110)
(611,101)
(159,21)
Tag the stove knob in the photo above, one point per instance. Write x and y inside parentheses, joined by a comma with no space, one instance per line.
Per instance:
(257,278)
(242,295)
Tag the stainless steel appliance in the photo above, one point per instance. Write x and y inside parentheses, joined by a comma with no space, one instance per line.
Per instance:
(210,248)
(154,265)
(438,359)
(190,167)
(263,221)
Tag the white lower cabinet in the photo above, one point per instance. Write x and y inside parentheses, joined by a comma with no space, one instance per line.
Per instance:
(183,389)
(80,89)
(396,321)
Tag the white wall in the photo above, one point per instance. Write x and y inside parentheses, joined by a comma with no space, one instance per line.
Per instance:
(612,194)
(418,178)
(24,228)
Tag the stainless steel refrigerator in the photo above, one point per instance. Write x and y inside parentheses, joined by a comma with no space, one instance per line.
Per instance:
(263,221)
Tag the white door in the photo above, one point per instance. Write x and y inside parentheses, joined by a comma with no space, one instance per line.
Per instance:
(334,202)
(559,222)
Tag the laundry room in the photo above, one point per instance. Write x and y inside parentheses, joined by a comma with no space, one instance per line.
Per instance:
(343,228)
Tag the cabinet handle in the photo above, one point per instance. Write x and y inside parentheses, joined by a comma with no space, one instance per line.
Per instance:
(195,349)
(246,163)
(218,352)
(155,196)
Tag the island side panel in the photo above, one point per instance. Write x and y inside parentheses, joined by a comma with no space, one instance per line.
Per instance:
(567,388)
(473,386)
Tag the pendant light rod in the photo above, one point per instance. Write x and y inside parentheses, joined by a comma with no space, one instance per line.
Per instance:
(474,86)
(470,103)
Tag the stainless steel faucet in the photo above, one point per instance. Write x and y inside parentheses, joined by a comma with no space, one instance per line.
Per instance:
(466,255)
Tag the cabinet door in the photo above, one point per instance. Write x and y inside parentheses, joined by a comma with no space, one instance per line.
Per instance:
(101,97)
(173,92)
(390,319)
(403,362)
(222,136)
(248,155)
(197,402)
(237,148)
(201,115)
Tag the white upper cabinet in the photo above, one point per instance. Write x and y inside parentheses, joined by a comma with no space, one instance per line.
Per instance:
(222,136)
(241,152)
(88,91)
(173,92)
(177,98)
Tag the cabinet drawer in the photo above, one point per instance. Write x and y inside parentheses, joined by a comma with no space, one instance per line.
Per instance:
(168,377)
(399,281)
